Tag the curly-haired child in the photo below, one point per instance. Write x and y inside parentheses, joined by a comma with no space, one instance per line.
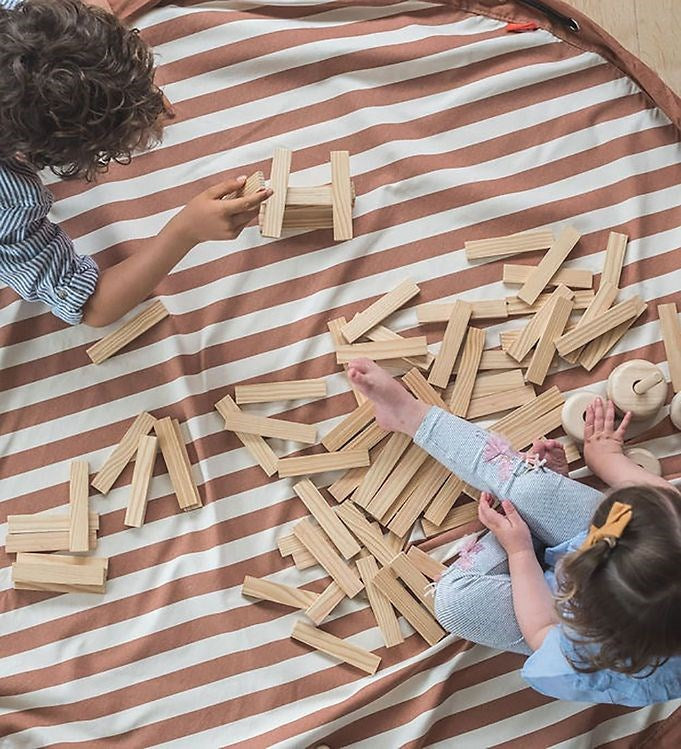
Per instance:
(603,622)
(77,92)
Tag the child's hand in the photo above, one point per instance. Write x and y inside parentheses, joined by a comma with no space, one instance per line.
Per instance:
(215,215)
(510,529)
(553,452)
(601,439)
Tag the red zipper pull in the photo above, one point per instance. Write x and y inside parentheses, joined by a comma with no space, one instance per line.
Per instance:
(520,27)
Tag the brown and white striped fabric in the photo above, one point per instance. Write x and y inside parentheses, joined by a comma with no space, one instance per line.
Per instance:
(457,130)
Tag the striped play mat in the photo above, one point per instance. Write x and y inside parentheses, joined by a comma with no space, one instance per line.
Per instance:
(458,129)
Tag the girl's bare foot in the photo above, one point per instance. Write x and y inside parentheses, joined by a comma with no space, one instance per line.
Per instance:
(554,453)
(396,410)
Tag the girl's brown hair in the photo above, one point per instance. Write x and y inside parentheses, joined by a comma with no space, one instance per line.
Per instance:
(622,602)
(76,88)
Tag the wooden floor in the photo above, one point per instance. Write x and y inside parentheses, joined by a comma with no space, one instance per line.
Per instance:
(648,28)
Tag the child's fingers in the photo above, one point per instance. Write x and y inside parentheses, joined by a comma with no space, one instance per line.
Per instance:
(609,416)
(599,420)
(622,429)
(589,422)
(216,192)
(512,515)
(486,515)
(248,204)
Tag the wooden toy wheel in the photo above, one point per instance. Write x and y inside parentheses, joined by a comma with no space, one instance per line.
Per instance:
(637,386)
(645,459)
(573,414)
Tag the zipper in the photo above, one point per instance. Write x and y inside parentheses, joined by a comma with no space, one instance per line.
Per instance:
(567,21)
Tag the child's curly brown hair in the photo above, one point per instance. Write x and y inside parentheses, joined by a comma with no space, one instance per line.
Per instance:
(76,88)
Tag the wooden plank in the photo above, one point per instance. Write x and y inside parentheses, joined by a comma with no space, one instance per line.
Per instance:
(468,369)
(598,326)
(335,647)
(603,300)
(59,559)
(289,545)
(419,617)
(381,468)
(549,264)
(513,244)
(422,390)
(266,392)
(482,309)
(63,573)
(348,427)
(371,538)
(573,278)
(456,517)
(425,563)
(532,332)
(113,342)
(382,350)
(443,365)
(493,359)
(546,348)
(266,590)
(260,451)
(381,333)
(311,464)
(368,438)
(671,337)
(534,429)
(614,258)
(43,541)
(141,476)
(516,307)
(78,508)
(273,217)
(335,327)
(513,426)
(405,468)
(343,487)
(321,195)
(46,523)
(321,549)
(342,195)
(380,605)
(375,313)
(497,382)
(497,402)
(180,477)
(445,499)
(414,579)
(597,349)
(319,508)
(430,482)
(120,457)
(266,427)
(303,559)
(326,602)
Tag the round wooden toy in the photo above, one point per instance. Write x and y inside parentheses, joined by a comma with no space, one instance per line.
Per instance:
(574,412)
(637,386)
(675,411)
(645,459)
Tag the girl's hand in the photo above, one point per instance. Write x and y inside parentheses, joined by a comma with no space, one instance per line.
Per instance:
(510,529)
(601,439)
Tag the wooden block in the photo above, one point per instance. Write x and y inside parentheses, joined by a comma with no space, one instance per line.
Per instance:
(546,348)
(573,278)
(319,546)
(371,538)
(380,605)
(61,559)
(326,602)
(532,332)
(303,559)
(289,545)
(260,451)
(468,369)
(120,457)
(46,523)
(597,349)
(342,195)
(514,426)
(343,487)
(425,563)
(380,333)
(78,508)
(141,476)
(404,470)
(414,580)
(113,342)
(335,327)
(427,488)
(483,309)
(671,336)
(368,438)
(266,590)
(456,517)
(614,258)
(601,302)
(253,184)
(63,573)
(349,427)
(187,464)
(419,617)
(335,647)
(492,404)
(382,350)
(499,360)
(43,541)
(100,563)
(420,388)
(444,500)
(514,244)
(273,218)
(265,427)
(549,264)
(443,365)
(375,313)
(312,498)
(180,477)
(310,196)
(381,468)
(516,307)
(572,453)
(393,542)
(497,382)
(598,326)
(266,392)
(311,464)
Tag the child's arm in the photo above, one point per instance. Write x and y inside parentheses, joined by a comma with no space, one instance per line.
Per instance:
(603,449)
(206,217)
(532,599)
